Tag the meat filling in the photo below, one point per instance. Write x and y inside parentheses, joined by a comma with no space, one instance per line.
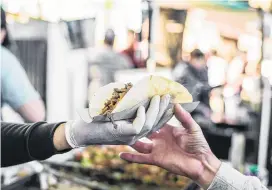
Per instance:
(117,95)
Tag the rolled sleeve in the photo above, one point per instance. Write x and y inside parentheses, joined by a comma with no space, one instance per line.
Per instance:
(228,178)
(15,85)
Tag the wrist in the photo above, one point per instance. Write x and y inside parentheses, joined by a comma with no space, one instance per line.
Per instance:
(211,165)
(59,138)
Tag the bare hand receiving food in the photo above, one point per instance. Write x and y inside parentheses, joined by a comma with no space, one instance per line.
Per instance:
(183,151)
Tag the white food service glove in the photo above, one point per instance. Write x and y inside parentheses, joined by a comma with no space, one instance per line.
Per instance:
(123,132)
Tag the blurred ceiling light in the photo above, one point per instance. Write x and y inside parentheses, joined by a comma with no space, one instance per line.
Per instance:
(173,27)
(243,42)
(248,84)
(246,42)
(204,46)
(254,55)
(198,13)
(266,4)
(270,80)
(263,4)
(207,39)
(252,26)
(189,43)
(10,19)
(144,6)
(266,69)
(12,6)
(23,19)
(52,10)
(254,3)
(236,1)
(267,49)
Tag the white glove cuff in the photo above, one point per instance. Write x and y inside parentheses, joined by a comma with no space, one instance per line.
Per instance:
(69,134)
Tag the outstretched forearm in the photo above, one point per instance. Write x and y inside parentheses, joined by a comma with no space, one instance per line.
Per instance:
(32,111)
(26,142)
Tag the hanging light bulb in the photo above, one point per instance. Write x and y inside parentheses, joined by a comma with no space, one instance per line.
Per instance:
(254,3)
(265,5)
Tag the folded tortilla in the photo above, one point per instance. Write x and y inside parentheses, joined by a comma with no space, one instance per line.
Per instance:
(144,89)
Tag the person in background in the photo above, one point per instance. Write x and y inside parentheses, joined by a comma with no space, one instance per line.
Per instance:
(187,153)
(16,89)
(194,76)
(5,41)
(108,61)
(133,51)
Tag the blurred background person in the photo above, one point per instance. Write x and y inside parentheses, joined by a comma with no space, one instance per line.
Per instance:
(5,41)
(133,51)
(16,89)
(107,61)
(194,76)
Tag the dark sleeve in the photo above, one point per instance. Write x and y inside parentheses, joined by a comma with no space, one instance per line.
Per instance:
(26,142)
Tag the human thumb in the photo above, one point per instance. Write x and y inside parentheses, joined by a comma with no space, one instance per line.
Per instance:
(185,118)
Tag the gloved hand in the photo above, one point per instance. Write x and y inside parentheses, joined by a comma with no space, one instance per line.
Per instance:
(79,133)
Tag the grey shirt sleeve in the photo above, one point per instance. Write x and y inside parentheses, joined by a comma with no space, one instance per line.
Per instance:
(228,178)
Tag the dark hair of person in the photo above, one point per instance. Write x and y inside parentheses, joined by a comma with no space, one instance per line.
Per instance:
(6,42)
(109,37)
(197,54)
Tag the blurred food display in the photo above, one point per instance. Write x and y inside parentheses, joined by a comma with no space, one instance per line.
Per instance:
(105,159)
